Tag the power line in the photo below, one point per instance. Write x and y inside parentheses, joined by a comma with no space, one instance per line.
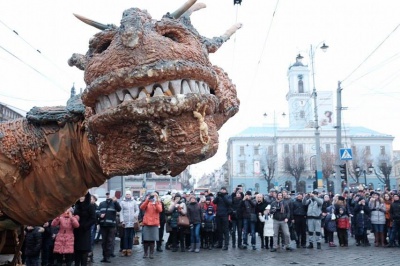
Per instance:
(263,49)
(33,68)
(387,37)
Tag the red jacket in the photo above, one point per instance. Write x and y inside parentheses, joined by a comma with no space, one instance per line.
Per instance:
(152,213)
(343,223)
(64,243)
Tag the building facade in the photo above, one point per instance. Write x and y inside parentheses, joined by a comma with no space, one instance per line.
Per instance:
(284,158)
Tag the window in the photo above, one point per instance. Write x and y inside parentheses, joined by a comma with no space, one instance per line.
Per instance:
(302,114)
(256,149)
(286,148)
(383,152)
(328,148)
(270,150)
(367,150)
(300,149)
(241,150)
(242,169)
(301,86)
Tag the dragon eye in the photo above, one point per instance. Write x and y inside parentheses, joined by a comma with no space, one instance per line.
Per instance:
(102,47)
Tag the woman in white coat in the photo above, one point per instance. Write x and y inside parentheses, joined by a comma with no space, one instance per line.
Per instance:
(266,218)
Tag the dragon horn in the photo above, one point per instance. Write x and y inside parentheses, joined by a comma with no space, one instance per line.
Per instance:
(194,8)
(92,22)
(232,30)
(179,12)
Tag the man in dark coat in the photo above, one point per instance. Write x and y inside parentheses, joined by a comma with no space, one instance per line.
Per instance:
(108,222)
(87,218)
(223,202)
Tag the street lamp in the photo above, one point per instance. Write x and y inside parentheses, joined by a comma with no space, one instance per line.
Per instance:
(324,47)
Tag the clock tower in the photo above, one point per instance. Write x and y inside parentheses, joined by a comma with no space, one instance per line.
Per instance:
(299,95)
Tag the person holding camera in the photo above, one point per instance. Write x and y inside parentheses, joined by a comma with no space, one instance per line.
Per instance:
(281,215)
(223,202)
(177,207)
(314,207)
(247,209)
(151,221)
(362,214)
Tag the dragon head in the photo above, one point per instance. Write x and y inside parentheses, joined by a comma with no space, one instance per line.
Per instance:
(154,102)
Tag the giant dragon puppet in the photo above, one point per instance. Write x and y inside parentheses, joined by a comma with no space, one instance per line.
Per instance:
(153,103)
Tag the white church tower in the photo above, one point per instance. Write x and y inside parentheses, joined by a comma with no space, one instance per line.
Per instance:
(299,95)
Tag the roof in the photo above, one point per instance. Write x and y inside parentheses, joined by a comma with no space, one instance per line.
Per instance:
(269,131)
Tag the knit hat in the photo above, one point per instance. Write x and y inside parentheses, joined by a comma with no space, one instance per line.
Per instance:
(248,193)
(208,198)
(210,209)
(341,198)
(178,195)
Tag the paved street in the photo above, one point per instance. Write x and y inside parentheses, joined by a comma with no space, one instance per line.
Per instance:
(352,255)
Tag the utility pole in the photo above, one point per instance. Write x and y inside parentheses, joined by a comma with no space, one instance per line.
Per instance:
(338,185)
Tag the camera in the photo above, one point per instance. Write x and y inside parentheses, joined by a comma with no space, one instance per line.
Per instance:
(151,197)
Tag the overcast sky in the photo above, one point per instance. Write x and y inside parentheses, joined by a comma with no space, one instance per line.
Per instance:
(363,39)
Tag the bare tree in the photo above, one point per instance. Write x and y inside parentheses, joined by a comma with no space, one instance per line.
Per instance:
(269,171)
(328,161)
(384,169)
(294,164)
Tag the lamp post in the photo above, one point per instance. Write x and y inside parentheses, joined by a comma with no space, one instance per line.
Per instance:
(324,47)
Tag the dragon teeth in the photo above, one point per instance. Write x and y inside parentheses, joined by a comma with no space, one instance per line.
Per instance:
(176,87)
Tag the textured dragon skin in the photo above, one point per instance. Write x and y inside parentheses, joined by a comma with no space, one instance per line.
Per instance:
(153,103)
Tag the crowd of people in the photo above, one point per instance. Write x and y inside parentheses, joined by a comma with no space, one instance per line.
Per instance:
(214,221)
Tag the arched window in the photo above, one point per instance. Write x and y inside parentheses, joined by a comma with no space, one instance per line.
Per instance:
(302,114)
(300,86)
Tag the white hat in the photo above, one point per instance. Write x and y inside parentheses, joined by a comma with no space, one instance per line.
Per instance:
(128,192)
(268,207)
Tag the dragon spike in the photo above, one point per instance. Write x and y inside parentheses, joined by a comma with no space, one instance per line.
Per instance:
(231,31)
(194,8)
(93,23)
(179,12)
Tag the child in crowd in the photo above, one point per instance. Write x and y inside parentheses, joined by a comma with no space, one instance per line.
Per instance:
(209,226)
(33,245)
(268,226)
(343,225)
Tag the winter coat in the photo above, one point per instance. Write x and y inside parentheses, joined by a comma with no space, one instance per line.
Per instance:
(151,213)
(314,205)
(129,212)
(223,202)
(361,218)
(247,207)
(194,213)
(236,201)
(343,222)
(330,219)
(87,218)
(378,210)
(110,208)
(280,210)
(209,223)
(33,242)
(395,210)
(268,224)
(64,243)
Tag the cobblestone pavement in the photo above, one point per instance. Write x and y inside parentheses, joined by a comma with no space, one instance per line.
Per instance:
(352,255)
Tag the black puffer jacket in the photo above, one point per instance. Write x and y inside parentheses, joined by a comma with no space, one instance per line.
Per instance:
(395,210)
(33,241)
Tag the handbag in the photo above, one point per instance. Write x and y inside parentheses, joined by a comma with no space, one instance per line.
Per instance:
(136,240)
(136,226)
(183,221)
